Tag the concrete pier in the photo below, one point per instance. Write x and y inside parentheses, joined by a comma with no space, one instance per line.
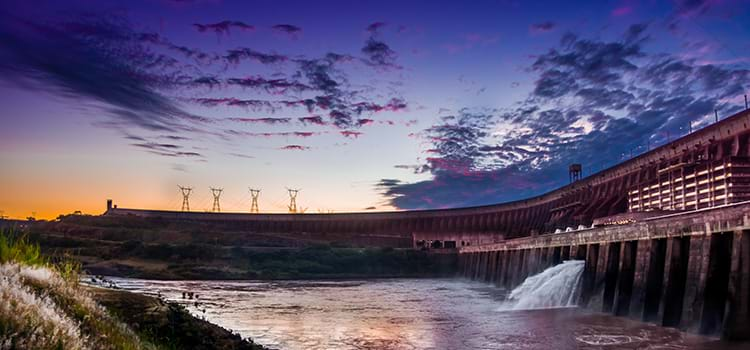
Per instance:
(689,270)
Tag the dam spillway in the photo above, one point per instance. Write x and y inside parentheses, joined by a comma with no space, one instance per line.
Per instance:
(688,270)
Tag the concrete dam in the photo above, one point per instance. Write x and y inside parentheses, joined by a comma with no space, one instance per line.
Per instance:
(690,271)
(665,236)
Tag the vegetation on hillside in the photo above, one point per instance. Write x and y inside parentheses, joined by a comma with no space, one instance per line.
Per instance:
(161,249)
(43,306)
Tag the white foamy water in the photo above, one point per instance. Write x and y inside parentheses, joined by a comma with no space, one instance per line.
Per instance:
(557,286)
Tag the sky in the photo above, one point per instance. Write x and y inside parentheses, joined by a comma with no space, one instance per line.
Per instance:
(362,105)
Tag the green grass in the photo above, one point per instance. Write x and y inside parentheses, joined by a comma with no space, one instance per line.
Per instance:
(15,247)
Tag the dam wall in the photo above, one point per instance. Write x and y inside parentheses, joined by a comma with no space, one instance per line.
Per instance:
(686,270)
(707,168)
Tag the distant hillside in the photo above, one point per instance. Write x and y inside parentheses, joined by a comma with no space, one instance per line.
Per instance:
(163,249)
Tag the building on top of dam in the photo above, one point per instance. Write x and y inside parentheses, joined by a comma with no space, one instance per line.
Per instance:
(706,168)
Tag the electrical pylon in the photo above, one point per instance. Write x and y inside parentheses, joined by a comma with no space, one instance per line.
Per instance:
(217,193)
(292,200)
(185,197)
(254,206)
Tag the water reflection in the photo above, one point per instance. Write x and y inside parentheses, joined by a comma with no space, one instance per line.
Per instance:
(404,314)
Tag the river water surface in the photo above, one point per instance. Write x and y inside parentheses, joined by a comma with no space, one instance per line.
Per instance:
(405,314)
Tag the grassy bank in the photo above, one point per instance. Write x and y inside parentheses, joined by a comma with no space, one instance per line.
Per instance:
(42,306)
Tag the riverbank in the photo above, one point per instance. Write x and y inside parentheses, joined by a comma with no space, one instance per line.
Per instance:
(167,324)
(43,305)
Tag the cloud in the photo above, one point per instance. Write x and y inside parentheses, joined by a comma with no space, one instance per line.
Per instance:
(692,8)
(166,149)
(375,27)
(364,121)
(542,27)
(175,137)
(394,105)
(141,80)
(100,60)
(223,27)
(379,54)
(197,55)
(288,29)
(315,119)
(210,82)
(254,105)
(273,86)
(303,134)
(240,155)
(267,120)
(294,148)
(334,93)
(594,102)
(236,55)
(352,134)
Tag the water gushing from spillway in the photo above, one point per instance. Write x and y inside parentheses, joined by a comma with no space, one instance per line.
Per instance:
(557,286)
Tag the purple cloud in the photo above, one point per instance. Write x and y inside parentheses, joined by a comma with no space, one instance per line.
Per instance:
(99,60)
(375,27)
(294,148)
(316,119)
(268,120)
(489,156)
(254,105)
(351,134)
(236,55)
(273,86)
(223,27)
(543,27)
(379,54)
(288,29)
(303,134)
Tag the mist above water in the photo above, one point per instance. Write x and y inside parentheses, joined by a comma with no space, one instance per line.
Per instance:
(557,286)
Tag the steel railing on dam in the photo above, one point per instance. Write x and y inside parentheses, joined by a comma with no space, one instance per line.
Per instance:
(689,270)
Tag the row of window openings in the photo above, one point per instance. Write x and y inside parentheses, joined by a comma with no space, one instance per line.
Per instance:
(677,205)
(702,182)
(666,199)
(705,190)
(688,177)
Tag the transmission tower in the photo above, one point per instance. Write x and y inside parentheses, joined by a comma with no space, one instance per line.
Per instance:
(185,196)
(292,200)
(217,193)
(254,206)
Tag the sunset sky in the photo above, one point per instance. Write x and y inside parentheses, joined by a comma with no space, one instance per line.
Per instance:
(363,105)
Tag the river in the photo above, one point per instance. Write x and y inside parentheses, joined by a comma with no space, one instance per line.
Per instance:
(405,314)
